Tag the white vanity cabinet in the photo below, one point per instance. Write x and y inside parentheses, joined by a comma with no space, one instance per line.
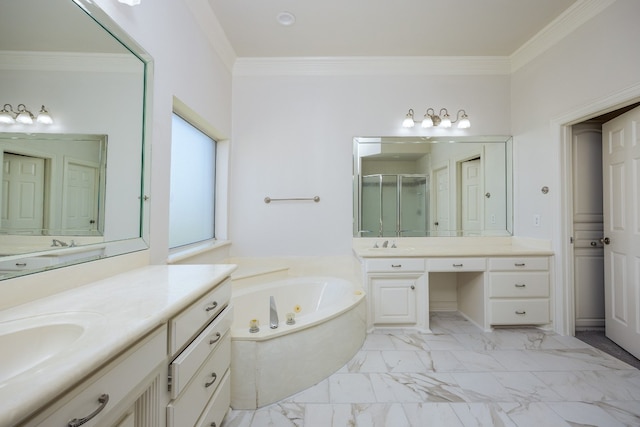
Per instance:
(200,350)
(519,291)
(399,292)
(123,391)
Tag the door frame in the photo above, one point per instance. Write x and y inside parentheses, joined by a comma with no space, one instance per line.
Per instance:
(564,296)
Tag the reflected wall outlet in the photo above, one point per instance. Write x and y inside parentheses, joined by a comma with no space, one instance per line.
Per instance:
(536,220)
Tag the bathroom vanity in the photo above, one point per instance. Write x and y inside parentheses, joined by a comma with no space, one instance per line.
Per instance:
(149,347)
(497,281)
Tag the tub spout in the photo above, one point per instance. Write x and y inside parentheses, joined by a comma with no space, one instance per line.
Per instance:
(273,313)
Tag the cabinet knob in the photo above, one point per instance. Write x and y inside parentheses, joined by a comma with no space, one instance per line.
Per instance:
(412,287)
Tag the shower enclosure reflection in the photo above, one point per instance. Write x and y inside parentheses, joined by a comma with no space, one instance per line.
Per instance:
(428,186)
(395,205)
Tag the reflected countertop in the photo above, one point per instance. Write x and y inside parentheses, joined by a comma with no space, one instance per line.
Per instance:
(427,247)
(123,309)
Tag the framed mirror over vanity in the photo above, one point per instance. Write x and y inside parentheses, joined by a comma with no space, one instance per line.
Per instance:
(73,190)
(432,186)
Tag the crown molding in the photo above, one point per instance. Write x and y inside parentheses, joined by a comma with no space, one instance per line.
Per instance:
(209,24)
(69,61)
(348,66)
(576,15)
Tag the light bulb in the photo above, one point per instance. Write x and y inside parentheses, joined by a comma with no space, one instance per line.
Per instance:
(427,122)
(446,121)
(44,117)
(408,120)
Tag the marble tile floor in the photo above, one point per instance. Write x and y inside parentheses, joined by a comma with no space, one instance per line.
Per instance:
(462,376)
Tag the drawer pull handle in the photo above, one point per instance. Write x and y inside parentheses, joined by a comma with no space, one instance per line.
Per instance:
(457,265)
(520,285)
(396,265)
(103,400)
(213,424)
(212,306)
(215,377)
(521,313)
(520,264)
(216,339)
(21,264)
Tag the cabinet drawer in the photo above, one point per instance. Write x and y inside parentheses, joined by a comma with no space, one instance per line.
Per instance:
(520,312)
(456,264)
(185,410)
(191,321)
(218,405)
(519,264)
(189,361)
(519,285)
(394,265)
(117,381)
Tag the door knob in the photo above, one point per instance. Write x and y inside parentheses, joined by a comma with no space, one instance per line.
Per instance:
(605,240)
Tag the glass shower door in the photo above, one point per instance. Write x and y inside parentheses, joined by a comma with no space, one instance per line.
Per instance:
(413,205)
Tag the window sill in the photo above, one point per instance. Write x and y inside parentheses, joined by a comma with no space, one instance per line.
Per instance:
(180,254)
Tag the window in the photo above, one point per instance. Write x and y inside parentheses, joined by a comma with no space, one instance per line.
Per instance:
(192,189)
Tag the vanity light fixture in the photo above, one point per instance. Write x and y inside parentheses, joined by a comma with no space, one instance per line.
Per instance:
(442,119)
(23,116)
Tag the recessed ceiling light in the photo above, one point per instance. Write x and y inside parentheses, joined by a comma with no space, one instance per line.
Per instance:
(286,19)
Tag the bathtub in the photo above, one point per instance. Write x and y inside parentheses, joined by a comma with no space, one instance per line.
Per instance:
(269,365)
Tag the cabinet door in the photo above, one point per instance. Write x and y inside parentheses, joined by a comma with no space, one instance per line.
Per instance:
(395,299)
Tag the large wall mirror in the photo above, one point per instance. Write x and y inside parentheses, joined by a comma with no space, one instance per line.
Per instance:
(432,186)
(73,190)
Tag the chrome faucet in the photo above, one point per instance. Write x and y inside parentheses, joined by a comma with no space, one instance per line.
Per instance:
(273,313)
(385,244)
(57,242)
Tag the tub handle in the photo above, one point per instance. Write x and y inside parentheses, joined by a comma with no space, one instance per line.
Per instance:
(212,306)
(216,339)
(210,383)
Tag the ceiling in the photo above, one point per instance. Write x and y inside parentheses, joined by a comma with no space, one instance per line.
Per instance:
(331,28)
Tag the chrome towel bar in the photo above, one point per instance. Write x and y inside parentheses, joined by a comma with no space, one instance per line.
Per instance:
(269,199)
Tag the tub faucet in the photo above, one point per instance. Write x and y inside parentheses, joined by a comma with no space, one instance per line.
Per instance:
(57,242)
(273,313)
(385,244)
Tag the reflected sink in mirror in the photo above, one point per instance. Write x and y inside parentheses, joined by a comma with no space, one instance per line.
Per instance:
(30,342)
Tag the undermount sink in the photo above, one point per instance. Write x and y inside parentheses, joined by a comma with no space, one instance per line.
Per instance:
(29,342)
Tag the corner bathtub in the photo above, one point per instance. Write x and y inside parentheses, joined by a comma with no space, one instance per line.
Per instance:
(267,366)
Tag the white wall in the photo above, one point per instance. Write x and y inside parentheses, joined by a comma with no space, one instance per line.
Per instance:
(591,69)
(185,66)
(292,137)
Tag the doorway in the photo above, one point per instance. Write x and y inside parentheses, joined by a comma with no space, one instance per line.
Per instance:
(597,296)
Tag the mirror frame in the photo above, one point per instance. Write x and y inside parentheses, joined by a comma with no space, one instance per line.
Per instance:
(139,242)
(357,177)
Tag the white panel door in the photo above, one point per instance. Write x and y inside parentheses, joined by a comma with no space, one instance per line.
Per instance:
(80,197)
(587,226)
(471,194)
(22,194)
(621,176)
(441,224)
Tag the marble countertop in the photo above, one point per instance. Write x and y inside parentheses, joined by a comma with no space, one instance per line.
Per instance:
(116,312)
(450,247)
